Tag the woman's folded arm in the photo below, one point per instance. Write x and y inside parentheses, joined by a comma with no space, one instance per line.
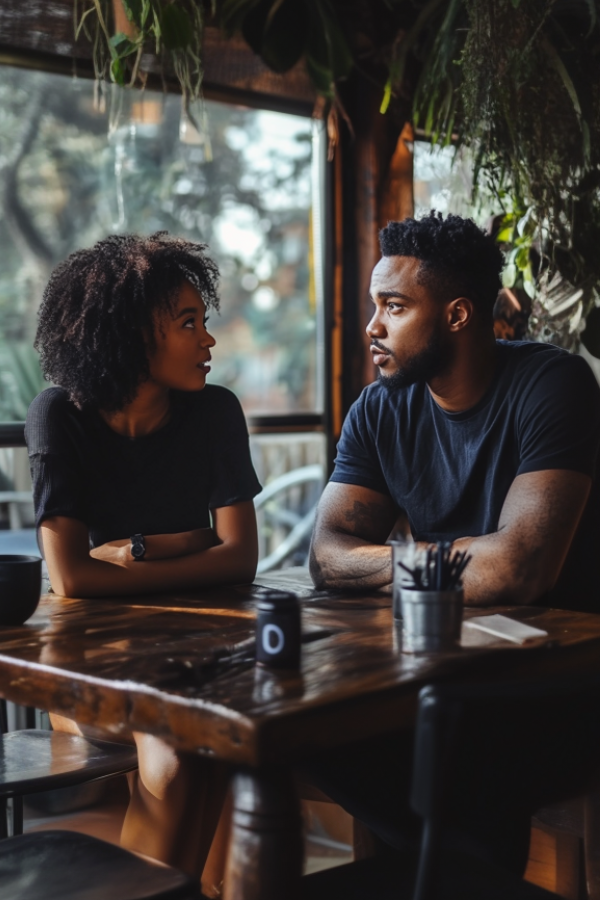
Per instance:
(110,570)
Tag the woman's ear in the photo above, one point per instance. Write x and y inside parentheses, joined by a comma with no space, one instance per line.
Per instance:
(460,313)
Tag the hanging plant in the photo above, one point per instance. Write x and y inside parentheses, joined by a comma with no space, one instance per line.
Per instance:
(518,83)
(169,29)
(514,80)
(282,32)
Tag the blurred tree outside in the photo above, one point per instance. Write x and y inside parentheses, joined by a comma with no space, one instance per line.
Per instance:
(69,175)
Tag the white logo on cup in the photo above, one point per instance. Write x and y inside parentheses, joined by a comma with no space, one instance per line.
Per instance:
(275,630)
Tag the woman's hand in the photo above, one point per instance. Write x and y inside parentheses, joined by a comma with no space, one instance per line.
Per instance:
(158,546)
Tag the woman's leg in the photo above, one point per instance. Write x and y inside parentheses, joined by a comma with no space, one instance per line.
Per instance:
(176,801)
(214,870)
(175,805)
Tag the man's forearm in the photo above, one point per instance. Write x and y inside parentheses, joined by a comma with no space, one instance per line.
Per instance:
(498,574)
(347,562)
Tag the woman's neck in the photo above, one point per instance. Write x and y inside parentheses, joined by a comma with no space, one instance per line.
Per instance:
(147,412)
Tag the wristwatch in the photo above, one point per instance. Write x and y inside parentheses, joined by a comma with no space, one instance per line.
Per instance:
(138,547)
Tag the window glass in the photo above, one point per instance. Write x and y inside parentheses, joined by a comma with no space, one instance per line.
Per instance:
(443,180)
(247,182)
(242,181)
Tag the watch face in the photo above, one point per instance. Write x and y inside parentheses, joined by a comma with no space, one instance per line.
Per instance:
(138,546)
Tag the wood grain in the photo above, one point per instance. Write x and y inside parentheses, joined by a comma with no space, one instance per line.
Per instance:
(159,664)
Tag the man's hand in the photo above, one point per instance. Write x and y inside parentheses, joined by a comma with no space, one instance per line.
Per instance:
(158,546)
(518,563)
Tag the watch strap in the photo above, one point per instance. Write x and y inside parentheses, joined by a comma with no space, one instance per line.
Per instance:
(138,547)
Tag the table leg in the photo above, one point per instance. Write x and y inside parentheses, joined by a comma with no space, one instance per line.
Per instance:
(264,861)
(591,843)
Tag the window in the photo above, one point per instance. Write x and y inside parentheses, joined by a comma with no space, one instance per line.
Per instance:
(245,181)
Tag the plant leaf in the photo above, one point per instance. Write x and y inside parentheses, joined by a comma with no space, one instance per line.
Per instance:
(117,71)
(121,46)
(560,67)
(284,36)
(176,27)
(134,10)
(509,276)
(321,76)
(504,237)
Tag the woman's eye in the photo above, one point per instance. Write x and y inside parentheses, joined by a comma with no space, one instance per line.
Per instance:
(205,320)
(189,323)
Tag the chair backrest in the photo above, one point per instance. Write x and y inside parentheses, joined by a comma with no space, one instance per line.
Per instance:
(484,751)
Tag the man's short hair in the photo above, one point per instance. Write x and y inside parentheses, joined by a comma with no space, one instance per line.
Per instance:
(457,258)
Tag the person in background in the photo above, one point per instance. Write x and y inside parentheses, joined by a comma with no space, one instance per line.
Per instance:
(142,478)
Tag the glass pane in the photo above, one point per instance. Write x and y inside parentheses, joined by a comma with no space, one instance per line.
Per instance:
(242,181)
(247,182)
(443,181)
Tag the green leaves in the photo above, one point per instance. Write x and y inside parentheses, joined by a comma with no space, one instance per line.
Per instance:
(175,27)
(277,31)
(134,10)
(284,31)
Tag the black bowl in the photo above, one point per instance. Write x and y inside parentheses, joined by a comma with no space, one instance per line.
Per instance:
(20,587)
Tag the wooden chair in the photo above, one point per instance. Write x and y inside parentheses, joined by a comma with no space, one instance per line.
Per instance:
(35,760)
(45,865)
(479,749)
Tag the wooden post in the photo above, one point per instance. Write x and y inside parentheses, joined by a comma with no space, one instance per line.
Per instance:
(264,861)
(376,186)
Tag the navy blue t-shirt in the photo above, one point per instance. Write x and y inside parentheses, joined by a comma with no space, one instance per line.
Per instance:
(162,483)
(451,472)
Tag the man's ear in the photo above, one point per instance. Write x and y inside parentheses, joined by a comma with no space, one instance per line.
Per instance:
(460,313)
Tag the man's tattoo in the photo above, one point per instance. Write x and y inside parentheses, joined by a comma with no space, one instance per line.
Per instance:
(364,517)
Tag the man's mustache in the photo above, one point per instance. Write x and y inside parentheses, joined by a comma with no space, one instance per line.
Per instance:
(375,343)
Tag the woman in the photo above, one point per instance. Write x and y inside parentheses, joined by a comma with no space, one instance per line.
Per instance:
(142,476)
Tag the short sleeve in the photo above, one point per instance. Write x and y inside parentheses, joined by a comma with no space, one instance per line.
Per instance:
(357,461)
(559,418)
(233,477)
(58,484)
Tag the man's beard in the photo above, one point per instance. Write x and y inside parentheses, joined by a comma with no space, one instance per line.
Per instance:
(422,367)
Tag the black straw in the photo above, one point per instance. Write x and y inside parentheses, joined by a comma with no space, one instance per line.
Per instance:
(442,569)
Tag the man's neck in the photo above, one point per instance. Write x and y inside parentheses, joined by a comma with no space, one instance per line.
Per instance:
(469,377)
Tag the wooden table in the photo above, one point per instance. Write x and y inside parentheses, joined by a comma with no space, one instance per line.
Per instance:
(148,664)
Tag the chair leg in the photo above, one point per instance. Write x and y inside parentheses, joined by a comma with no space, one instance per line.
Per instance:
(17,815)
(3,818)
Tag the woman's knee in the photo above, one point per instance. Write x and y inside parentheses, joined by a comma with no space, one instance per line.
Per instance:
(164,770)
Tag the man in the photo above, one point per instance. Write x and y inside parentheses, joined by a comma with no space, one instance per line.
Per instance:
(490,445)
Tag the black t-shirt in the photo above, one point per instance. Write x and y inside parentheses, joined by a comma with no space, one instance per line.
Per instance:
(451,472)
(164,482)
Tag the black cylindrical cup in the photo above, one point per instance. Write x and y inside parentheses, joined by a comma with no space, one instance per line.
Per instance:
(20,587)
(278,630)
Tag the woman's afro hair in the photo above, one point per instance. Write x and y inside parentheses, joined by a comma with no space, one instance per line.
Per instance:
(458,259)
(98,313)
